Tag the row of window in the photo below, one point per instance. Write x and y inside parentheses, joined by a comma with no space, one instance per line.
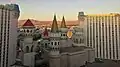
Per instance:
(63,34)
(92,34)
(78,41)
(101,18)
(29,50)
(28,31)
(55,43)
(6,41)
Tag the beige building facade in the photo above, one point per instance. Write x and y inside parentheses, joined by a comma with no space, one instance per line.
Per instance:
(9,15)
(102,34)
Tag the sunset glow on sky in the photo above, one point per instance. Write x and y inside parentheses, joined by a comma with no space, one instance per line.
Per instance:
(44,9)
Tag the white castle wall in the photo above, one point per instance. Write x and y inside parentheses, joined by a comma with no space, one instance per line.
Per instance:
(29,59)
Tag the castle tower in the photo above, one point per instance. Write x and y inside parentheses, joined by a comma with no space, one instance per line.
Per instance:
(79,35)
(83,24)
(28,45)
(64,30)
(28,30)
(45,36)
(54,44)
(81,19)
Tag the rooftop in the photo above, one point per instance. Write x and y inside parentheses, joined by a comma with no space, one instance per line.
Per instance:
(110,14)
(14,7)
(28,23)
(72,49)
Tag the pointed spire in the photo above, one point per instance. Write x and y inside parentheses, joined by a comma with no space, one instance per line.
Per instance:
(54,25)
(63,24)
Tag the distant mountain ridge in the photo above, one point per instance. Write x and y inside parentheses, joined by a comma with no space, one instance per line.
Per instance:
(38,23)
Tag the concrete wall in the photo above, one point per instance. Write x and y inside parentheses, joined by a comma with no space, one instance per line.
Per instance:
(76,59)
(29,59)
(28,39)
(66,43)
(54,61)
(64,60)
(91,54)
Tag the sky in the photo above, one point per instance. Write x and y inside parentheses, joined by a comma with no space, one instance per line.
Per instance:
(45,9)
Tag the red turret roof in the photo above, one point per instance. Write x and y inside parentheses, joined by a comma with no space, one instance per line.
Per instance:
(45,33)
(28,23)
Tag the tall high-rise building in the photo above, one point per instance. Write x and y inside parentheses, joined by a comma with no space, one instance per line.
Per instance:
(103,34)
(9,14)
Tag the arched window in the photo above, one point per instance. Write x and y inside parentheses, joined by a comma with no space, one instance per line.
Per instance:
(45,45)
(76,40)
(27,31)
(51,43)
(63,34)
(58,43)
(55,43)
(27,49)
(32,48)
(53,48)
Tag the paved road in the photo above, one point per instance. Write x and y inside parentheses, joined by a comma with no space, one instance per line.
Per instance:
(106,63)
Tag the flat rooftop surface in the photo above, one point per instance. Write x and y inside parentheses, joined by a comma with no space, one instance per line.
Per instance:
(72,49)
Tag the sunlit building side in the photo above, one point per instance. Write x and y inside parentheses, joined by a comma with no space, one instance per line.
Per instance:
(102,33)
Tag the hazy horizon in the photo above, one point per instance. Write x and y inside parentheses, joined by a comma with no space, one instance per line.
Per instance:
(45,9)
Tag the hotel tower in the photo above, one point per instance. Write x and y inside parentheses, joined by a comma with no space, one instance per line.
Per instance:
(9,14)
(103,34)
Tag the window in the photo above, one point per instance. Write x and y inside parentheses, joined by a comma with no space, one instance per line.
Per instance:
(55,43)
(45,45)
(27,49)
(27,31)
(51,43)
(31,31)
(76,40)
(58,43)
(63,34)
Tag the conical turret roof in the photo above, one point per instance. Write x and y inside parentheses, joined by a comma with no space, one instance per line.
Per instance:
(63,24)
(54,25)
